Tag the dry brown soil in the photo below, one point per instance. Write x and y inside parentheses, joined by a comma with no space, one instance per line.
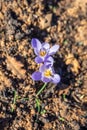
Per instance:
(62,106)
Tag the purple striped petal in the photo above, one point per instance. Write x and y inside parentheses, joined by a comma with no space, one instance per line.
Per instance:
(36,44)
(36,76)
(38,60)
(53,49)
(49,61)
(56,78)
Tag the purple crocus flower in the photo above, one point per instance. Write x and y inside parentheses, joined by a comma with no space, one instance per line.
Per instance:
(43,50)
(46,75)
(48,61)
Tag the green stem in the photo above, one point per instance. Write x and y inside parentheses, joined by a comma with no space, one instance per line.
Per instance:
(38,93)
(38,104)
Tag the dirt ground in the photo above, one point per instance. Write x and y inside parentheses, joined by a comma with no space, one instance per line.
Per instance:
(59,107)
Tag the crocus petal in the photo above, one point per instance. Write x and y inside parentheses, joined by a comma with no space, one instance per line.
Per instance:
(45,45)
(49,61)
(36,76)
(56,78)
(36,44)
(36,51)
(53,49)
(38,60)
(42,68)
(45,67)
(46,80)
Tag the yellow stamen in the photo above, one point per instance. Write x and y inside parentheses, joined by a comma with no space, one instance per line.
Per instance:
(42,53)
(47,73)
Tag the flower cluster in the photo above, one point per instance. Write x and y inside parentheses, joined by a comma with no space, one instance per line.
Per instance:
(44,54)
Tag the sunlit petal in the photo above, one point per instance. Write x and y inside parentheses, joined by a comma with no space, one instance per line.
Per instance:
(53,49)
(46,45)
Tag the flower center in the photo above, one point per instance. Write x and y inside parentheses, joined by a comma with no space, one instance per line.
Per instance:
(42,53)
(47,73)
